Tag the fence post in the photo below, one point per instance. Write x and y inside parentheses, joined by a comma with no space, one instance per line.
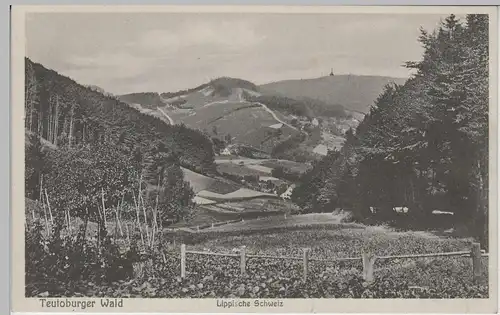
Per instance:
(368,262)
(306,263)
(183,260)
(476,260)
(243,259)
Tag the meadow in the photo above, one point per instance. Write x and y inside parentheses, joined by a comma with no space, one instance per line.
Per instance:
(240,170)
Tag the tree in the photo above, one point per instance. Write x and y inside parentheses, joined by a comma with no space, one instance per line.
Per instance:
(423,144)
(174,195)
(79,179)
(35,165)
(31,97)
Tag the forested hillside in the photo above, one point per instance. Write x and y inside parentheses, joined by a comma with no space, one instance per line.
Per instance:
(353,92)
(306,107)
(87,152)
(68,114)
(424,144)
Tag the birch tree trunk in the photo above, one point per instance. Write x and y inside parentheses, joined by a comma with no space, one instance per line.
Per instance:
(49,123)
(56,120)
(70,133)
(31,95)
(40,125)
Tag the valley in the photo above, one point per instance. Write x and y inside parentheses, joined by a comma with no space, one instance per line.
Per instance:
(226,109)
(339,186)
(235,112)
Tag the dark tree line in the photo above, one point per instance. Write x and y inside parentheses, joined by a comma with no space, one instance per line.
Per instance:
(424,144)
(224,86)
(183,92)
(221,87)
(305,107)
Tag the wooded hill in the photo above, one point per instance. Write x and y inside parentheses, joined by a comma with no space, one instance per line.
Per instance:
(353,92)
(424,144)
(66,113)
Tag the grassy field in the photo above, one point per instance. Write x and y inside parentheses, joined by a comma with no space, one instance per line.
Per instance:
(295,167)
(247,210)
(247,123)
(194,100)
(208,189)
(240,194)
(236,169)
(238,160)
(333,241)
(269,163)
(201,182)
(290,221)
(259,205)
(250,126)
(203,117)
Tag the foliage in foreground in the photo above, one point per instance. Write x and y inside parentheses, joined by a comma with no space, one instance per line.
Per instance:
(61,266)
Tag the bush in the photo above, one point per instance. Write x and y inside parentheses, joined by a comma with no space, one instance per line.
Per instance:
(57,261)
(79,179)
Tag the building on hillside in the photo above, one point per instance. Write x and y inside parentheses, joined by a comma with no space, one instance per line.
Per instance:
(315,122)
(268,178)
(321,149)
(276,126)
(231,149)
(288,193)
(226,151)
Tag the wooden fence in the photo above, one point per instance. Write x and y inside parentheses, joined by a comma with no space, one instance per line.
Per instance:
(366,258)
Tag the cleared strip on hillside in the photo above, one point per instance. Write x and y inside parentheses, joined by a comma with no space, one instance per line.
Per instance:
(240,194)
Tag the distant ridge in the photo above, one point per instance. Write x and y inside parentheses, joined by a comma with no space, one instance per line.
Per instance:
(354,92)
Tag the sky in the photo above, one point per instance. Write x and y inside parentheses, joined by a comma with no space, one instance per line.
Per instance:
(166,52)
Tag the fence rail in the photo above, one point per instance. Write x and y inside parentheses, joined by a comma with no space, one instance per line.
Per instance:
(211,254)
(368,259)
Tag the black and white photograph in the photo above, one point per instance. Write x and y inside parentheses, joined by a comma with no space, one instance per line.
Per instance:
(251,158)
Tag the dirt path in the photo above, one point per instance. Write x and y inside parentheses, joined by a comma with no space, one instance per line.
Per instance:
(216,102)
(246,161)
(240,100)
(168,117)
(276,117)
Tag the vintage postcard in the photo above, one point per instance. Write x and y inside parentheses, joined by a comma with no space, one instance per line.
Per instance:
(251,159)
